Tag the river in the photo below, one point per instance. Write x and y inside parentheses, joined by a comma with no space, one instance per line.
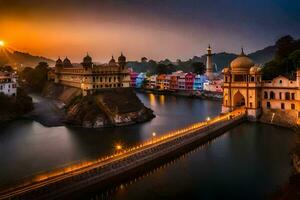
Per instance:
(246,162)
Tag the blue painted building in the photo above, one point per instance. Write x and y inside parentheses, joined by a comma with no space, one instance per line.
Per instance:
(198,82)
(140,79)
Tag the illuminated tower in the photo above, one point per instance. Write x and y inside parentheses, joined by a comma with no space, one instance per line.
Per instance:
(209,68)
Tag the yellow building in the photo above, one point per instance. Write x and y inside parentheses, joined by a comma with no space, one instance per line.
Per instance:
(89,77)
(243,86)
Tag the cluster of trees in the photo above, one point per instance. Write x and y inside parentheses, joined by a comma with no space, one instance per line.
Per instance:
(36,78)
(15,105)
(286,60)
(6,68)
(167,67)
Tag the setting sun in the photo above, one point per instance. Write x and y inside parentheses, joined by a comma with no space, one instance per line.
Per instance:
(2,43)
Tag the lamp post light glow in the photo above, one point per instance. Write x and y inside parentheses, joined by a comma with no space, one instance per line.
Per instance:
(118,148)
(153,136)
(208,118)
(2,44)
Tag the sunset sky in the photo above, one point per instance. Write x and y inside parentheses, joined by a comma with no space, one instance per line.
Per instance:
(156,29)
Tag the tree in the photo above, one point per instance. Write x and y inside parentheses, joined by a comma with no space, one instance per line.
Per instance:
(285,45)
(198,68)
(295,58)
(6,68)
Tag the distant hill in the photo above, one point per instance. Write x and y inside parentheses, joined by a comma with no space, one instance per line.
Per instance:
(17,59)
(220,59)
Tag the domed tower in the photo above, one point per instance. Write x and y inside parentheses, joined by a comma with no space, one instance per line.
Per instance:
(59,62)
(242,86)
(87,61)
(67,63)
(58,67)
(122,61)
(112,61)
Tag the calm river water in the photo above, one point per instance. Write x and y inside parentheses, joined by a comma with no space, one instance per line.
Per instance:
(246,162)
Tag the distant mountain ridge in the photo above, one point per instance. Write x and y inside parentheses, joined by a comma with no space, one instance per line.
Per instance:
(221,60)
(17,59)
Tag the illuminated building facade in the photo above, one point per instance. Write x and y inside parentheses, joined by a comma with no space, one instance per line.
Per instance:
(243,86)
(89,77)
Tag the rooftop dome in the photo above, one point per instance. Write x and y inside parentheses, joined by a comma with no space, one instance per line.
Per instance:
(112,61)
(241,64)
(87,59)
(59,61)
(67,62)
(122,58)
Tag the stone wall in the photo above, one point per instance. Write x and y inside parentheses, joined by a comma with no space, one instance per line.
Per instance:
(285,118)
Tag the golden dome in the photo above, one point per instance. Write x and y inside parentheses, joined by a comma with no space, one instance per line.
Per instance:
(241,64)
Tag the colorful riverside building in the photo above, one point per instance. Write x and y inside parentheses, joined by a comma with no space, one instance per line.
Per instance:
(140,79)
(214,85)
(189,81)
(199,80)
(8,84)
(133,77)
(90,77)
(243,86)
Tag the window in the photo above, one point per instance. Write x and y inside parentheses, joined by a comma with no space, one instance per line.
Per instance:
(280,95)
(287,96)
(293,106)
(252,79)
(280,81)
(250,104)
(272,95)
(265,95)
(293,96)
(268,105)
(282,106)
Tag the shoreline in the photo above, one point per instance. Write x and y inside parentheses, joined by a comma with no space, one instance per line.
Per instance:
(215,96)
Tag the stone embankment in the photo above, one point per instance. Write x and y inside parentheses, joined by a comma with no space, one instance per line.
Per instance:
(286,118)
(109,107)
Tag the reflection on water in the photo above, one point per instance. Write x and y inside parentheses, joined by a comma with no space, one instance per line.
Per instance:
(244,163)
(27,147)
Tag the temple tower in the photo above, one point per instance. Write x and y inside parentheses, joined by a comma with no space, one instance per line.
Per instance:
(209,68)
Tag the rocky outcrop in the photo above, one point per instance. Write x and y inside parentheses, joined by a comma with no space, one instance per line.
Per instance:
(109,107)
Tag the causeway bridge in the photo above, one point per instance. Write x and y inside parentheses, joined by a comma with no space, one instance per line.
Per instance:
(63,182)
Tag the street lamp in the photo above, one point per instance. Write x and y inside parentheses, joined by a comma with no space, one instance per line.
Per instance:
(153,136)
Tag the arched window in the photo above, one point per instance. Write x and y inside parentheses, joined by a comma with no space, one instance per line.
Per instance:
(293,106)
(265,95)
(282,106)
(272,95)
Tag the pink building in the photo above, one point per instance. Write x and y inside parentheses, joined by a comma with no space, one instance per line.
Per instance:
(133,76)
(189,81)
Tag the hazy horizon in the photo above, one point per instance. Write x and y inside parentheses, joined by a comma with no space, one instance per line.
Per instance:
(155,29)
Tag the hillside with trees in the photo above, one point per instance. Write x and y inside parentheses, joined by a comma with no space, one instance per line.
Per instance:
(220,60)
(286,59)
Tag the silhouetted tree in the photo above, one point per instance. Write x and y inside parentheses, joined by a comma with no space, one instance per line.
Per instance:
(198,68)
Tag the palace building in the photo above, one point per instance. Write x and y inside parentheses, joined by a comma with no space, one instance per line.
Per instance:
(90,77)
(243,86)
